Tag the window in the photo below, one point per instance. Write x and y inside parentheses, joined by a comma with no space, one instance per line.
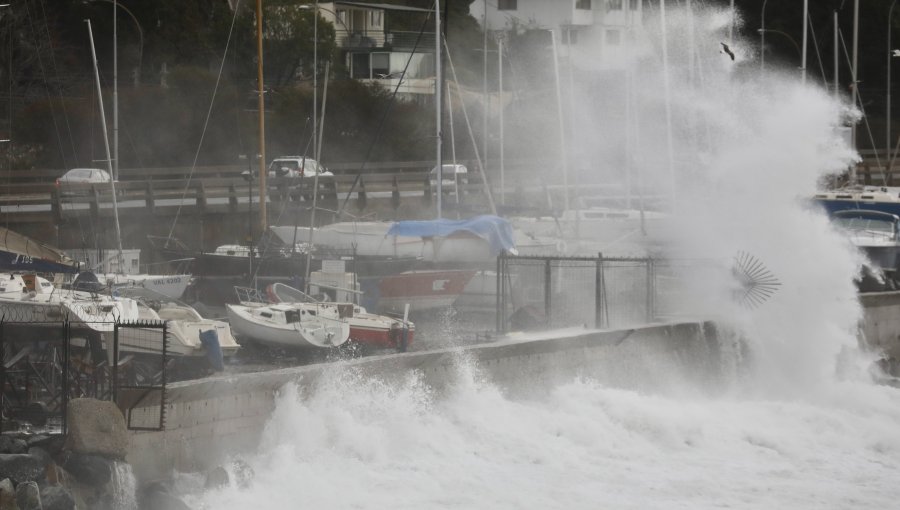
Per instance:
(506,5)
(633,5)
(375,18)
(583,4)
(614,5)
(381,65)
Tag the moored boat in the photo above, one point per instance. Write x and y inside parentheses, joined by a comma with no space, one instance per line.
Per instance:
(422,290)
(185,327)
(884,199)
(298,325)
(31,298)
(369,329)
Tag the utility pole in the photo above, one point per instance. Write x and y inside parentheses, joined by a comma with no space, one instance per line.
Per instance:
(805,25)
(261,103)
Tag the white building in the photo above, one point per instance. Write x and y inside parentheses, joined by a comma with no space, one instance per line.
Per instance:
(373,53)
(602,26)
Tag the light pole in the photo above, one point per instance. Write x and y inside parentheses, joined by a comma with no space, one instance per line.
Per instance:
(794,42)
(248,176)
(137,25)
(890,55)
(116,5)
(762,37)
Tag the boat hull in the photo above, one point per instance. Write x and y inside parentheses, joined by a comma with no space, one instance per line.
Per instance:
(95,313)
(379,331)
(306,334)
(422,290)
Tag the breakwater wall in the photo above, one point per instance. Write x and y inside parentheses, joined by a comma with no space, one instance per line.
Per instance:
(209,420)
(881,322)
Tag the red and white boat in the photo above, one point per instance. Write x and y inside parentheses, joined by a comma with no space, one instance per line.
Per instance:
(422,290)
(366,328)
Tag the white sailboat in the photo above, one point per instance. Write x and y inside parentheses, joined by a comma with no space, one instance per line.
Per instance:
(366,328)
(30,298)
(295,325)
(184,327)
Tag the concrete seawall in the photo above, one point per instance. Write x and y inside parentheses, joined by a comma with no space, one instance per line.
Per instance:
(881,322)
(209,420)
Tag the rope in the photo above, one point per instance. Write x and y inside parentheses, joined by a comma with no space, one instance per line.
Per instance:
(387,110)
(212,102)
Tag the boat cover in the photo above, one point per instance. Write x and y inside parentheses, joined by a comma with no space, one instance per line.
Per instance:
(21,253)
(493,229)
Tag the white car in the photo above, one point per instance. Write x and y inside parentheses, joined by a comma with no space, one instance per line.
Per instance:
(79,176)
(451,177)
(84,176)
(297,166)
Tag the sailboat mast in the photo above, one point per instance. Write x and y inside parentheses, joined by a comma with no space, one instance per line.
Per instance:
(112,181)
(261,104)
(115,174)
(437,101)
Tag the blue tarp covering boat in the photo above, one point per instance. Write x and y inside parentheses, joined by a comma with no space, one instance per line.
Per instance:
(493,229)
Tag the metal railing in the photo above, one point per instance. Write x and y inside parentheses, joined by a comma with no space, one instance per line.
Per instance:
(537,292)
(43,364)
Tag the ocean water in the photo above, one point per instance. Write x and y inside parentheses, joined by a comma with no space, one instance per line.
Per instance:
(799,423)
(357,443)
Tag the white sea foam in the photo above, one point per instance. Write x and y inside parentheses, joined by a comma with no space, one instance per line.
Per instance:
(361,444)
(805,428)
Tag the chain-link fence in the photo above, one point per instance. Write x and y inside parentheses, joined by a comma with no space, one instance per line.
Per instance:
(43,364)
(551,292)
(141,351)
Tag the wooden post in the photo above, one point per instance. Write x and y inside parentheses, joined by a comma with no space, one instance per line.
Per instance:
(148,197)
(361,200)
(395,194)
(200,194)
(232,199)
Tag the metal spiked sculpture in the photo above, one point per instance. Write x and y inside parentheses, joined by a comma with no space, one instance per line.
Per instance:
(756,282)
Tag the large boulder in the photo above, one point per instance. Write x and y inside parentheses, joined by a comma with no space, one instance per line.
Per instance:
(9,444)
(216,477)
(98,427)
(28,497)
(92,470)
(7,495)
(57,498)
(158,497)
(20,467)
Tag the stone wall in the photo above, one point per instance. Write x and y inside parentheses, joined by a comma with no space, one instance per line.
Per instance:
(208,420)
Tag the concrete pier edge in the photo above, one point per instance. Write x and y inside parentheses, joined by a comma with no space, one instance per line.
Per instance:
(210,420)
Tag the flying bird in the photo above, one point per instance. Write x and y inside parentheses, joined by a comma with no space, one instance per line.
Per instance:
(727,50)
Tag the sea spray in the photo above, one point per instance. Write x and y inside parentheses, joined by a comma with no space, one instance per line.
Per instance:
(123,487)
(790,434)
(364,443)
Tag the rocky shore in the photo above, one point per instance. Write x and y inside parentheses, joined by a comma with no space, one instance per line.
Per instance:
(84,469)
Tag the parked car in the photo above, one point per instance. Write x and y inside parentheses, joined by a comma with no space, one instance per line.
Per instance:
(84,176)
(297,166)
(81,176)
(451,177)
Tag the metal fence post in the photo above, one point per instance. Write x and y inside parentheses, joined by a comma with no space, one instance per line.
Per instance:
(65,382)
(598,295)
(651,301)
(500,292)
(115,363)
(165,359)
(2,368)
(548,276)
